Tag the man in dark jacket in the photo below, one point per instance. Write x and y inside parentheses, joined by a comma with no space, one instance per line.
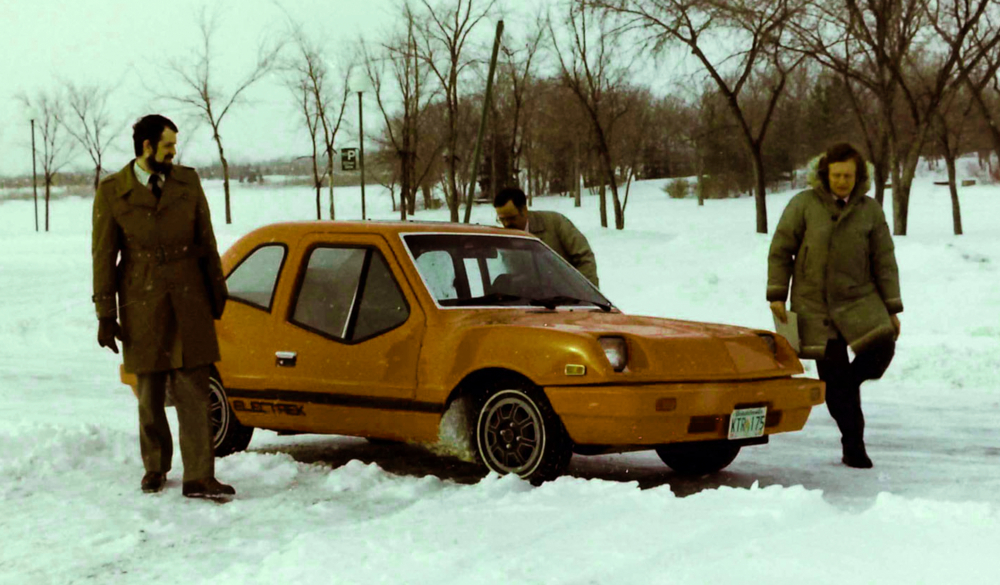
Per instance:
(833,243)
(555,229)
(169,287)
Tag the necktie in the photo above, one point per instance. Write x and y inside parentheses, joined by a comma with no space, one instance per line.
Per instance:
(840,203)
(154,185)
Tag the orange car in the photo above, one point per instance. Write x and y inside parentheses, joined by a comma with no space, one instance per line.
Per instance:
(484,344)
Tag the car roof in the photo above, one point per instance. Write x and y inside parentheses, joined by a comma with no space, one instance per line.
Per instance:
(290,229)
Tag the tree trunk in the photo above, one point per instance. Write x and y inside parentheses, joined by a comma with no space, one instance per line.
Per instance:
(991,125)
(901,187)
(48,193)
(317,181)
(97,176)
(577,180)
(428,199)
(453,201)
(530,190)
(604,206)
(609,172)
(700,185)
(758,172)
(406,179)
(225,175)
(956,212)
(901,194)
(329,166)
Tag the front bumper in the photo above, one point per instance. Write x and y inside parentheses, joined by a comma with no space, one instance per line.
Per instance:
(653,414)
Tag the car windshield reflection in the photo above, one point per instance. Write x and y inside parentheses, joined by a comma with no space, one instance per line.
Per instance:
(465,270)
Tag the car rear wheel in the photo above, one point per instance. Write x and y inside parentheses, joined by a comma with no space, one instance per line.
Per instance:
(518,432)
(228,435)
(698,458)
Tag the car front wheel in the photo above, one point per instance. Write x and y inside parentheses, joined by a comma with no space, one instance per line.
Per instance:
(228,435)
(698,458)
(518,432)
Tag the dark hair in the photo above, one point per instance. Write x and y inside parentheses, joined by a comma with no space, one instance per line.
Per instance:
(510,194)
(150,128)
(843,152)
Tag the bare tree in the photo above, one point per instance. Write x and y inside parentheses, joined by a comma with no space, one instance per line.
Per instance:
(323,98)
(596,75)
(88,121)
(443,40)
(516,68)
(47,109)
(301,89)
(874,42)
(983,78)
(405,80)
(952,122)
(199,90)
(697,24)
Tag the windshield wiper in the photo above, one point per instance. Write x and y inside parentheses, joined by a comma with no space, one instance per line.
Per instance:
(552,302)
(490,299)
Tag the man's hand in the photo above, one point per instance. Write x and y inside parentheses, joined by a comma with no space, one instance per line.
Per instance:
(778,308)
(107,330)
(895,324)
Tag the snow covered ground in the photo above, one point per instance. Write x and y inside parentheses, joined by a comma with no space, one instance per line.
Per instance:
(315,509)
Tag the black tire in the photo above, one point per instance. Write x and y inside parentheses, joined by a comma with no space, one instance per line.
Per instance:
(698,458)
(228,435)
(516,431)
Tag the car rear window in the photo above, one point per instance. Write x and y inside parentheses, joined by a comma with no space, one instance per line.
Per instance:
(253,281)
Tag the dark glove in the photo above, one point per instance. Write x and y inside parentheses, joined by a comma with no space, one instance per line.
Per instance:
(107,330)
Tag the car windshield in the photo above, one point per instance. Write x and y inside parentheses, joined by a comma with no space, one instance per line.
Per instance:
(463,270)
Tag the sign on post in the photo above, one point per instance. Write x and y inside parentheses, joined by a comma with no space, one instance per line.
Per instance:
(349,159)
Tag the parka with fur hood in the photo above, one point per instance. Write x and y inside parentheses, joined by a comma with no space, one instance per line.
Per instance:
(841,265)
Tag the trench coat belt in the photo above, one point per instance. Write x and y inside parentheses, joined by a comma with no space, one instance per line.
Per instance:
(162,254)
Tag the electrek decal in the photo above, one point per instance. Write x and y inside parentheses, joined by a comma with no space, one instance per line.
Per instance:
(269,408)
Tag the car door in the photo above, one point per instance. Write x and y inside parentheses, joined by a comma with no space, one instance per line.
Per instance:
(246,330)
(352,329)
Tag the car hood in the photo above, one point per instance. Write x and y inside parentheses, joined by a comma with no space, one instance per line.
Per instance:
(660,349)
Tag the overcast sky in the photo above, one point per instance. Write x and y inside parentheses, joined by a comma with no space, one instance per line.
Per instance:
(123,44)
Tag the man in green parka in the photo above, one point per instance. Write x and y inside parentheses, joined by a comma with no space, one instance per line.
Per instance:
(157,272)
(555,229)
(834,245)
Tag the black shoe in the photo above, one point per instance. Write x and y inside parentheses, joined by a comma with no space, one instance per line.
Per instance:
(210,488)
(153,482)
(855,456)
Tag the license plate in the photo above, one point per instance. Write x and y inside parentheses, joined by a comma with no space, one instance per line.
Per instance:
(747,423)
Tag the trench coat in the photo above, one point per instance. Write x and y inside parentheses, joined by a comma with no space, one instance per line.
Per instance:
(842,268)
(157,269)
(559,233)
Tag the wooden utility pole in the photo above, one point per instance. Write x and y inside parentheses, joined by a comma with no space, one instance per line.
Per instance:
(482,125)
(34,172)
(361,127)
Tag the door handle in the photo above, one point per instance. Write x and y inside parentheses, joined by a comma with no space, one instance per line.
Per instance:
(285,359)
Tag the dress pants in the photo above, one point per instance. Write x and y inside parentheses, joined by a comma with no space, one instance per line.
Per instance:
(189,391)
(843,384)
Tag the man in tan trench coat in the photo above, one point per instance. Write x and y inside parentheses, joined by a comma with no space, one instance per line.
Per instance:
(555,229)
(154,249)
(833,244)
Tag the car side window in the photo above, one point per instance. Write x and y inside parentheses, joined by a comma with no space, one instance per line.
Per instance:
(254,280)
(383,306)
(438,269)
(328,290)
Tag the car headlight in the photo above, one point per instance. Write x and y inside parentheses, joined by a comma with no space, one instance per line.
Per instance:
(616,350)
